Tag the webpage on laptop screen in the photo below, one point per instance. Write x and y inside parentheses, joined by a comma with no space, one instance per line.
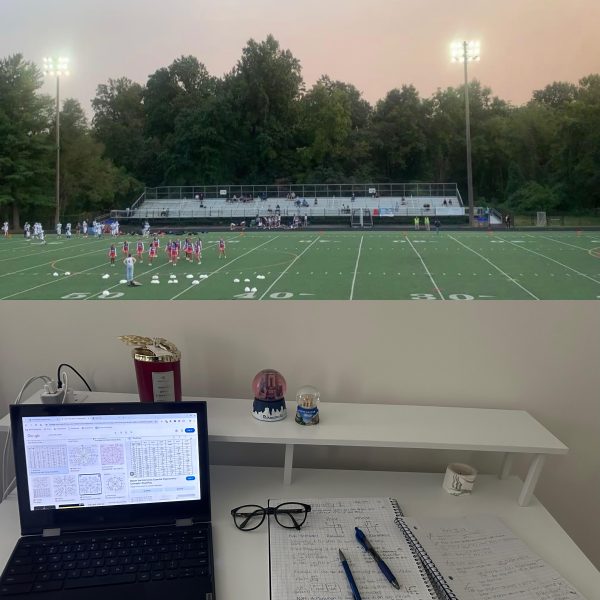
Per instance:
(103,460)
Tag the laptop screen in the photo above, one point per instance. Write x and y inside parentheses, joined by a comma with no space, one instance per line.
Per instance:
(102,460)
(109,465)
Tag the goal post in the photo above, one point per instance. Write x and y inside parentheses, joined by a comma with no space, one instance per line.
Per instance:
(361,217)
(542,220)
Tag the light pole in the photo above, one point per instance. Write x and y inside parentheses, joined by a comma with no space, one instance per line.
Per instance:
(55,67)
(467,52)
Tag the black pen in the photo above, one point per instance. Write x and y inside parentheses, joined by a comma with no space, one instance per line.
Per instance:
(348,572)
(364,542)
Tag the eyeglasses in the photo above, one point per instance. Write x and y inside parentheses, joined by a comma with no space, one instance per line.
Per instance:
(290,515)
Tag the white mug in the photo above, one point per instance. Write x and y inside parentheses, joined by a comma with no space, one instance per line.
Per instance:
(459,479)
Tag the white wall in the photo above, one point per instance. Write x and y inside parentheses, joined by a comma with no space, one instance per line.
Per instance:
(543,357)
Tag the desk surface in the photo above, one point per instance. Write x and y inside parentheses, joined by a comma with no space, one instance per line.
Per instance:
(242,559)
(372,425)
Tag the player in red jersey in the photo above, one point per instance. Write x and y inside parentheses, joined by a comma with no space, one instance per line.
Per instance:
(151,254)
(174,254)
(188,248)
(112,254)
(125,248)
(139,248)
(198,251)
(221,247)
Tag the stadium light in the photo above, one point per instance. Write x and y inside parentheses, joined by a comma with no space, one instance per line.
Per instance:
(467,52)
(57,67)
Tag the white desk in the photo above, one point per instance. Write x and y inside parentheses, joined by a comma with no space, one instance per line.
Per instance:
(380,425)
(242,559)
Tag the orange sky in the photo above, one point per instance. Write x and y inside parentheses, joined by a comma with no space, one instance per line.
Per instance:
(376,44)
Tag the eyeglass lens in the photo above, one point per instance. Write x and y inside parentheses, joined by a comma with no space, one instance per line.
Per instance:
(290,515)
(249,517)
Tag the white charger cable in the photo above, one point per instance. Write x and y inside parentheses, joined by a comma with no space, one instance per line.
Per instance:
(6,489)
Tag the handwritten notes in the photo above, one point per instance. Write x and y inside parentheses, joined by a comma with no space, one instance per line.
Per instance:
(305,564)
(482,559)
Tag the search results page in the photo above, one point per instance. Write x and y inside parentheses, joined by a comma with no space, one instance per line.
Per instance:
(103,460)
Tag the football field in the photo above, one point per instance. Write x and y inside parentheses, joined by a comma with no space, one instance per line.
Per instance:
(314,265)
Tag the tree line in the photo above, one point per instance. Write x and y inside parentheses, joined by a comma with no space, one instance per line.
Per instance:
(260,124)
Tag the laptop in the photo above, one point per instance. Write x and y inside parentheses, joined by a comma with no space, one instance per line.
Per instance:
(114,502)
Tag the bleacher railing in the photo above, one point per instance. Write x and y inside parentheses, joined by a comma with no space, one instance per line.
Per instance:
(305,190)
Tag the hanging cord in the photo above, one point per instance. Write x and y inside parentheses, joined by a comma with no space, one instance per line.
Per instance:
(74,370)
(6,489)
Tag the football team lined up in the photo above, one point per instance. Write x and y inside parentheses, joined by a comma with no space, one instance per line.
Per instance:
(191,250)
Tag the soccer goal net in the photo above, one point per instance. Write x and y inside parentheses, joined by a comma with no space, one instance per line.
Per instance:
(542,220)
(361,217)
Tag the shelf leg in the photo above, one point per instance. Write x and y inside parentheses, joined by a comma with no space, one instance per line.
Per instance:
(507,464)
(535,468)
(287,467)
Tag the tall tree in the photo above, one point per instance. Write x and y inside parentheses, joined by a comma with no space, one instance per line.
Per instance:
(90,183)
(398,135)
(179,102)
(25,146)
(263,90)
(119,124)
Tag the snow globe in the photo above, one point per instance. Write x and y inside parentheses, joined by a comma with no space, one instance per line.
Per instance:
(307,411)
(269,388)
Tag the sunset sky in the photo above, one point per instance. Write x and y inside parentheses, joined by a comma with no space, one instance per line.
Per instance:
(376,44)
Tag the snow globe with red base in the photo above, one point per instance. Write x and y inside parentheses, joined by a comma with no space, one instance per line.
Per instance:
(269,388)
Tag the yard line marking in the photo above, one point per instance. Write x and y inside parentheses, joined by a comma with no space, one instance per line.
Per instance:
(52,262)
(557,262)
(426,269)
(50,282)
(225,265)
(42,252)
(356,268)
(496,267)
(288,267)
(565,243)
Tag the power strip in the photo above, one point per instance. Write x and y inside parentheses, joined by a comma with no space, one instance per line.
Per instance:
(74,397)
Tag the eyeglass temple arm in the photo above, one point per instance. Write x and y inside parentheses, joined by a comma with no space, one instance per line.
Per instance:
(248,517)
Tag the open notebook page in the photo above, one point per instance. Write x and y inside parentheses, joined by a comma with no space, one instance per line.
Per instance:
(482,559)
(305,564)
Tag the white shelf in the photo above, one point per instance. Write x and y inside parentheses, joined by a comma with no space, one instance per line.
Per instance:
(379,425)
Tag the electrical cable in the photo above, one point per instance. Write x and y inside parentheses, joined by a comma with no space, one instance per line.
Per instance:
(64,381)
(73,369)
(5,490)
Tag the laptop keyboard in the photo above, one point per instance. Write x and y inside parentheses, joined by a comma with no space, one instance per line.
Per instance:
(75,561)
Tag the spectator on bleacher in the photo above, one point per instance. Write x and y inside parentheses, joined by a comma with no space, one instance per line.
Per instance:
(352,197)
(445,203)
(304,202)
(403,201)
(234,199)
(316,202)
(450,202)
(277,210)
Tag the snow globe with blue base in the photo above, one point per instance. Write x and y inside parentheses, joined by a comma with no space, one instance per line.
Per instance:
(269,389)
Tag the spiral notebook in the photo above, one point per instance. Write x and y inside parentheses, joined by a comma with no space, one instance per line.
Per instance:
(480,558)
(305,564)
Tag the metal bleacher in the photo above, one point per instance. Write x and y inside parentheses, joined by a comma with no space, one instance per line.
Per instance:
(328,200)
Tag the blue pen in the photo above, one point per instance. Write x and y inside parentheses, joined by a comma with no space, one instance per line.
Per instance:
(364,542)
(351,581)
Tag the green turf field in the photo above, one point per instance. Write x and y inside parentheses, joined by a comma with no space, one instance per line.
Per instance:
(312,265)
